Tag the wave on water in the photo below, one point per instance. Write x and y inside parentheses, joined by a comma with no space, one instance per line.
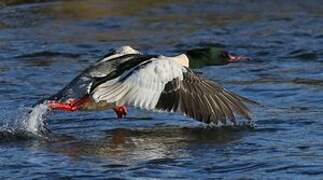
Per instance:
(29,123)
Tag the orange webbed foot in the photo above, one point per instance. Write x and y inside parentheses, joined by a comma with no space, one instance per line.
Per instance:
(121,111)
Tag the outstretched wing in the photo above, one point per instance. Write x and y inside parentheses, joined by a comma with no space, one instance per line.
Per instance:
(103,70)
(141,85)
(203,100)
(162,84)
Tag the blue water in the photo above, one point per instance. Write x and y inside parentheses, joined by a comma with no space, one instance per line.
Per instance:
(44,45)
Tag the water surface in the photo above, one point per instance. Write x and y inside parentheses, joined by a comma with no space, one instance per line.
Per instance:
(44,45)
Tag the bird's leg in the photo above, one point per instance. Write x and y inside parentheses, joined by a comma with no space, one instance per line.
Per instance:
(121,111)
(70,105)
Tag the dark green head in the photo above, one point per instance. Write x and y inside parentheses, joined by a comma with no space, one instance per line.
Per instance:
(210,56)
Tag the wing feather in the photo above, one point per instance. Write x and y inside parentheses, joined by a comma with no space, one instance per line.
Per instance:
(141,86)
(162,84)
(204,100)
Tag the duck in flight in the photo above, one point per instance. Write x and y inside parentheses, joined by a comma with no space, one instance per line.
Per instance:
(126,77)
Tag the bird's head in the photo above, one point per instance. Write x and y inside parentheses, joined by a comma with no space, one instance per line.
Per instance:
(212,56)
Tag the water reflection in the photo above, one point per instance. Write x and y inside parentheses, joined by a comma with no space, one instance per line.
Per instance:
(46,58)
(135,145)
(90,9)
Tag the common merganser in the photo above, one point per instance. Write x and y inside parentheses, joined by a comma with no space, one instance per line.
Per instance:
(128,77)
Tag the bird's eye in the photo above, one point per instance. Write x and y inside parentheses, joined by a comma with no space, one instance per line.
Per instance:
(225,54)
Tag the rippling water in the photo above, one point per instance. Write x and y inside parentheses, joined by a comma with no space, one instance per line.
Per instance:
(44,45)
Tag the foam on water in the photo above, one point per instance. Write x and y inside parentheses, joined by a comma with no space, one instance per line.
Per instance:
(35,121)
(27,123)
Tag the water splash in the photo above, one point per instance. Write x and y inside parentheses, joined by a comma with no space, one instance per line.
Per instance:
(35,121)
(27,123)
